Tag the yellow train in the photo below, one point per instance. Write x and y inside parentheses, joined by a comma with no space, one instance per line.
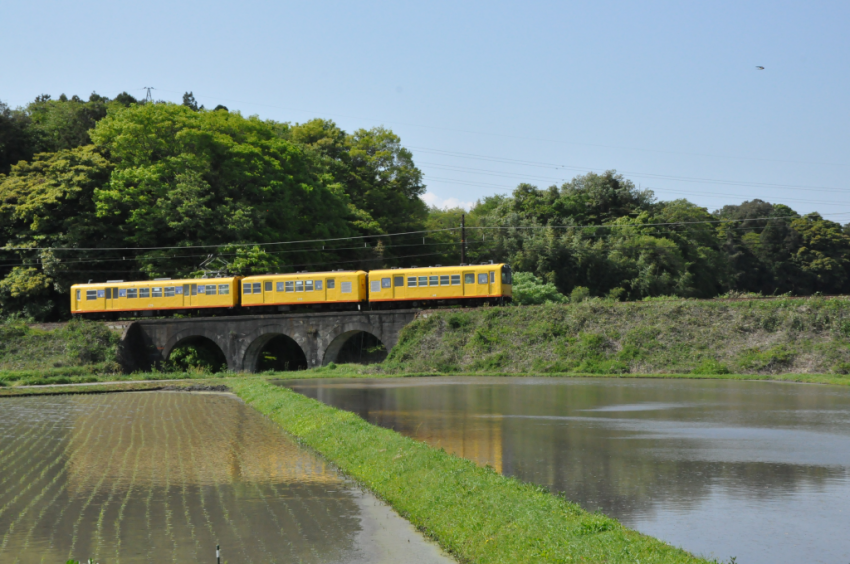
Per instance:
(271,293)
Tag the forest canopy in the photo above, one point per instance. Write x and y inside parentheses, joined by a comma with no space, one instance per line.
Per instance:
(105,188)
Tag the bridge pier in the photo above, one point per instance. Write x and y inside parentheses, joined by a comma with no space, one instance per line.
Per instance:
(320,336)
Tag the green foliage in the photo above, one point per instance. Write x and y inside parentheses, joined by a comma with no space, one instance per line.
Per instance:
(528,289)
(196,356)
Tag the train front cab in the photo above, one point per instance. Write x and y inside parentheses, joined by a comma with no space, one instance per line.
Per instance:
(442,285)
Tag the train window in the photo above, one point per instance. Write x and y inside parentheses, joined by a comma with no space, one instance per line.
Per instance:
(455,279)
(257,289)
(210,289)
(482,278)
(345,288)
(331,284)
(169,291)
(132,293)
(246,288)
(492,277)
(506,275)
(178,290)
(91,294)
(398,280)
(469,278)
(101,293)
(187,290)
(278,287)
(223,289)
(290,286)
(308,286)
(385,282)
(144,292)
(78,295)
(202,288)
(444,280)
(411,281)
(318,284)
(423,280)
(376,285)
(268,286)
(109,293)
(299,285)
(156,292)
(195,290)
(122,293)
(434,280)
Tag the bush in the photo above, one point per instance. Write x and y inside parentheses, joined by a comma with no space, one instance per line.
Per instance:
(527,289)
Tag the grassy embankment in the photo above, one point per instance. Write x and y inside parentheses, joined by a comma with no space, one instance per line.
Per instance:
(473,512)
(767,338)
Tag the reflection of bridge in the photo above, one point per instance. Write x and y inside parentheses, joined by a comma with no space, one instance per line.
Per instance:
(320,336)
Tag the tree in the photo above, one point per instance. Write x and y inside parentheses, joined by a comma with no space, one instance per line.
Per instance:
(527,289)
(15,141)
(189,102)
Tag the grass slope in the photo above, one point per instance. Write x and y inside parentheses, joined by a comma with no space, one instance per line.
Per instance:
(475,513)
(766,337)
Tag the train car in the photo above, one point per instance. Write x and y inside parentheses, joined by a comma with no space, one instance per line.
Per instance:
(163,296)
(335,290)
(440,285)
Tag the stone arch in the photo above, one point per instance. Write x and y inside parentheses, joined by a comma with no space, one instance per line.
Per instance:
(260,338)
(186,335)
(339,336)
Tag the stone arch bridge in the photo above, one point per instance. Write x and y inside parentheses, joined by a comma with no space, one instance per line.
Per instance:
(320,336)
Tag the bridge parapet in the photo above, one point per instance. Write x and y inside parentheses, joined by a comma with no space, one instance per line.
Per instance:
(320,335)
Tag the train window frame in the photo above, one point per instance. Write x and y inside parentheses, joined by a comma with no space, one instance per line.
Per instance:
(289,286)
(375,286)
(122,293)
(411,281)
(257,287)
(211,289)
(109,293)
(386,283)
(345,288)
(455,279)
(132,293)
(169,292)
(78,295)
(91,295)
(101,293)
(434,280)
(224,289)
(507,275)
(177,290)
(144,292)
(318,285)
(482,277)
(331,283)
(278,287)
(267,285)
(299,285)
(445,280)
(398,281)
(423,281)
(156,292)
(246,288)
(469,278)
(492,277)
(201,289)
(308,285)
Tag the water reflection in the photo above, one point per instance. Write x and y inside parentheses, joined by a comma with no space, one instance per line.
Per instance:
(747,469)
(166,476)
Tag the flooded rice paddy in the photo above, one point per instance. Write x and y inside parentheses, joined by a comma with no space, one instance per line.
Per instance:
(164,477)
(758,471)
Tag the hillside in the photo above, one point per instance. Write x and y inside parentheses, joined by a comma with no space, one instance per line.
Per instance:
(660,336)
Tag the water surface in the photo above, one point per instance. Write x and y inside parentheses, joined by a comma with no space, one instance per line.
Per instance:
(759,471)
(164,477)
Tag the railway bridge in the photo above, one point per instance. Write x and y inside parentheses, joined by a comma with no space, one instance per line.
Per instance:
(242,339)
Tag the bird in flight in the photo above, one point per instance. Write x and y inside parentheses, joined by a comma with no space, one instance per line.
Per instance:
(760,68)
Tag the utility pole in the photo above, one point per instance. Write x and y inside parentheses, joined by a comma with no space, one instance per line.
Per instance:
(463,238)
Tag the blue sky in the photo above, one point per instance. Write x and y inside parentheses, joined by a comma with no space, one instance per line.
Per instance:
(489,94)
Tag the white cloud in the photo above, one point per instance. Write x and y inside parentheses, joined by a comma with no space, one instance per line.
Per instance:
(445,203)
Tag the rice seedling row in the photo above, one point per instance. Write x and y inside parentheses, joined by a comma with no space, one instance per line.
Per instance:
(180,433)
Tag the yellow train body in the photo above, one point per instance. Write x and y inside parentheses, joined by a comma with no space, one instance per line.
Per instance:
(308,288)
(482,283)
(155,295)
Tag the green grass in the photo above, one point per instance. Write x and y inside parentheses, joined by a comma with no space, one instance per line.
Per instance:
(768,337)
(474,513)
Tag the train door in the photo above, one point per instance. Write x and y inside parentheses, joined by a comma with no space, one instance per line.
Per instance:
(111,295)
(469,286)
(398,286)
(483,284)
(268,291)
